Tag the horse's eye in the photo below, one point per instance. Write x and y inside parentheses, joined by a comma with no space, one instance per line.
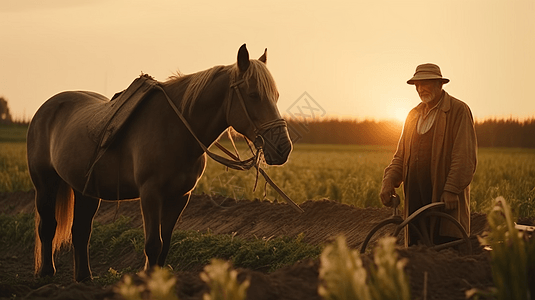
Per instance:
(254,95)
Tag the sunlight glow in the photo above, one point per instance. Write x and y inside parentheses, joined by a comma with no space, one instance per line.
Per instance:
(400,113)
(398,109)
(351,64)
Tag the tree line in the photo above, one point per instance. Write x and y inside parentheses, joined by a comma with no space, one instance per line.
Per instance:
(490,132)
(5,115)
(506,133)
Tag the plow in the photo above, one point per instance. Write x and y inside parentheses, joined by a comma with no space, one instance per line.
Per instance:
(417,222)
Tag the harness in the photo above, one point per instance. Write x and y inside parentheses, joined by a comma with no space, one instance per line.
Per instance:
(235,163)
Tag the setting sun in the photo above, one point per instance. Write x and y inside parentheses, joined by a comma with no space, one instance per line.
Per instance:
(398,109)
(400,113)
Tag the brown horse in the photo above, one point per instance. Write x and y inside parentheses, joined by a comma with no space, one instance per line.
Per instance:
(154,157)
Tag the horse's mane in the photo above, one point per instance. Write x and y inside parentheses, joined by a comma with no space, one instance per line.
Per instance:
(197,82)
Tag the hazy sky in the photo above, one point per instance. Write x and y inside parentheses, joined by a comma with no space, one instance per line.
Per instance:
(352,57)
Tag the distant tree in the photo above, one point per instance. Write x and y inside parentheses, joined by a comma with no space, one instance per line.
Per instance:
(506,133)
(5,115)
(344,131)
(490,132)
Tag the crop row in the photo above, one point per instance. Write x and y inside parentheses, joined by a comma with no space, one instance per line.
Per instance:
(344,173)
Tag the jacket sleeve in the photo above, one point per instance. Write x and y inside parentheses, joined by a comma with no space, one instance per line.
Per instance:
(464,151)
(394,171)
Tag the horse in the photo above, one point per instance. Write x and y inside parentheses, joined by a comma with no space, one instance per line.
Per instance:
(156,156)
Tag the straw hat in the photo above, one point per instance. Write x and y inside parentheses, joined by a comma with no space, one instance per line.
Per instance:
(427,71)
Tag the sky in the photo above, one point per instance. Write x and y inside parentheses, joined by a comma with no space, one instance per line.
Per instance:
(352,58)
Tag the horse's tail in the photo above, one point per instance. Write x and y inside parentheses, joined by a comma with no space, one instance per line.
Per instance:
(64,211)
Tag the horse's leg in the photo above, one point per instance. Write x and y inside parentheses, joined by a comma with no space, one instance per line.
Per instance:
(172,209)
(53,220)
(85,208)
(151,207)
(45,204)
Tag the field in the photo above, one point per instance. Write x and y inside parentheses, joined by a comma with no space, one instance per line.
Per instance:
(352,175)
(269,243)
(343,173)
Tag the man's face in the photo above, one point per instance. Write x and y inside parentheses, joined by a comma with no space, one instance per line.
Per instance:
(428,90)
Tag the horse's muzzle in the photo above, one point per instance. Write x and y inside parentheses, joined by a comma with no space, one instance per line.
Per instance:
(277,145)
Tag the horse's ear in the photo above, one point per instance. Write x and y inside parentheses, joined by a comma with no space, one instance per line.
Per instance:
(243,58)
(263,58)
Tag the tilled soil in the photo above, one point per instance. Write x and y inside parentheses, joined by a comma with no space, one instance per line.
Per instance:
(444,274)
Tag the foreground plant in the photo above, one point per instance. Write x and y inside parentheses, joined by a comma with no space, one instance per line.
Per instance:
(223,282)
(512,256)
(342,275)
(387,278)
(159,285)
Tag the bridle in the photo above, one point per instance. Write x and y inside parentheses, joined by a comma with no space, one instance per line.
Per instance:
(258,131)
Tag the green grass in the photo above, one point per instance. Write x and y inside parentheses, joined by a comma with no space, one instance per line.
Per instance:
(506,172)
(343,173)
(17,230)
(352,175)
(13,167)
(190,250)
(13,133)
(513,264)
(14,174)
(347,174)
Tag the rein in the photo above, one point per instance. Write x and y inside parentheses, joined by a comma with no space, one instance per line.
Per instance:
(241,165)
(236,163)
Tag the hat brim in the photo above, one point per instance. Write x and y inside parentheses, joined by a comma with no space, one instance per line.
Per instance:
(417,78)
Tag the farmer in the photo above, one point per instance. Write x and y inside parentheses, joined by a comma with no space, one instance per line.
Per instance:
(436,157)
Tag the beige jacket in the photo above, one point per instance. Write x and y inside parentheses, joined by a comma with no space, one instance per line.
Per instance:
(453,158)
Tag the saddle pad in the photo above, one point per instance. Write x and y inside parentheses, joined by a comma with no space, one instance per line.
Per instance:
(105,124)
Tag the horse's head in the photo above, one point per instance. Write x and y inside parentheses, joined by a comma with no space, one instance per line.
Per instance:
(252,108)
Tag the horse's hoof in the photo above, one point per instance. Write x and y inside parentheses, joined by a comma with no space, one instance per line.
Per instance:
(84,278)
(46,272)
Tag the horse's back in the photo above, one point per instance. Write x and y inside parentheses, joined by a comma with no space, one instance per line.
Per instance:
(63,107)
(58,121)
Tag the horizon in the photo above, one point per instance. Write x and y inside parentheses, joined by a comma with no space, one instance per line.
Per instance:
(352,59)
(25,121)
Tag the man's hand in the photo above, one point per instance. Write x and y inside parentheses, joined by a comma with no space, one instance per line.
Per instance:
(450,199)
(387,191)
